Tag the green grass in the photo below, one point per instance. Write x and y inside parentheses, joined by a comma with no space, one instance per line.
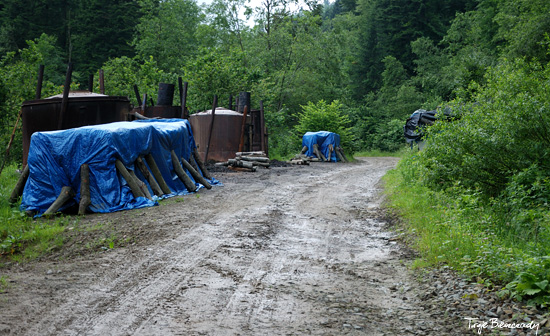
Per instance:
(472,235)
(21,237)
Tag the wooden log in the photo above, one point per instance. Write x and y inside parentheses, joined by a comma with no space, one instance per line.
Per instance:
(141,116)
(183,98)
(260,164)
(198,177)
(149,177)
(318,152)
(341,150)
(65,99)
(101,81)
(214,106)
(189,184)
(257,153)
(304,150)
(85,198)
(239,163)
(300,157)
(253,158)
(199,162)
(141,184)
(66,194)
(136,190)
(339,155)
(299,162)
(330,150)
(194,163)
(243,128)
(221,164)
(20,185)
(262,127)
(136,92)
(156,173)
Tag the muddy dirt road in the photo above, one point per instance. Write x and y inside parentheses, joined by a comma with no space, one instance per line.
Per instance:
(283,251)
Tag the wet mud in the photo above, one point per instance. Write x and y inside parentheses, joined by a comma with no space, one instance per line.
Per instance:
(300,250)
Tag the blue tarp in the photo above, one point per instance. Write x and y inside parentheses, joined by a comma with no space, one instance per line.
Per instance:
(55,158)
(323,139)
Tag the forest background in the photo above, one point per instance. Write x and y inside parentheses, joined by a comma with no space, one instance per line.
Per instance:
(476,198)
(379,59)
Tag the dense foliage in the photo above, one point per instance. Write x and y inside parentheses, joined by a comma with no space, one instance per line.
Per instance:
(487,175)
(380,59)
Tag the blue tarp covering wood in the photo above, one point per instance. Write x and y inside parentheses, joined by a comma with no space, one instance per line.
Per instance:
(55,158)
(323,139)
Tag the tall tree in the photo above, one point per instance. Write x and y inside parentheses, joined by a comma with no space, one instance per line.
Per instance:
(28,19)
(99,30)
(168,32)
(88,31)
(387,27)
(225,25)
(525,25)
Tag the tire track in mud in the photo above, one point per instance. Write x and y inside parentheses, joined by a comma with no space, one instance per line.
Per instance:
(296,251)
(123,301)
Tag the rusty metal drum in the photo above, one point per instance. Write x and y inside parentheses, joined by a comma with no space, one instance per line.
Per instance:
(226,133)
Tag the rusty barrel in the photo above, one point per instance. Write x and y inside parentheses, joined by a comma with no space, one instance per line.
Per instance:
(226,133)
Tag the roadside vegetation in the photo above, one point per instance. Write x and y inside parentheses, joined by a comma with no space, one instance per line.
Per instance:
(476,198)
(21,237)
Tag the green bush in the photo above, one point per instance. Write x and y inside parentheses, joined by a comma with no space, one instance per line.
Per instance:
(18,73)
(124,72)
(321,116)
(389,136)
(461,229)
(502,132)
(477,196)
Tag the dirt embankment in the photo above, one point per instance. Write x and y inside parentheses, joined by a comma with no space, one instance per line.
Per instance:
(283,251)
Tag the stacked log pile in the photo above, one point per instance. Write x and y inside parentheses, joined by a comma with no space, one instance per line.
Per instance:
(247,161)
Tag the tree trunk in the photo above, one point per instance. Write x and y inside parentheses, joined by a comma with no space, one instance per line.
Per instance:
(142,186)
(199,162)
(20,185)
(318,153)
(152,182)
(156,173)
(66,194)
(198,177)
(339,155)
(341,150)
(85,198)
(189,184)
(136,190)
